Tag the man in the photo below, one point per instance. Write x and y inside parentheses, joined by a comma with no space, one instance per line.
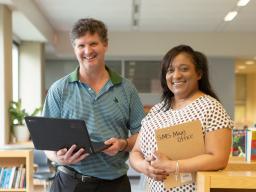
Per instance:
(111,108)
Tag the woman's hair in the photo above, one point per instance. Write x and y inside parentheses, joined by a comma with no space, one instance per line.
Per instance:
(89,25)
(201,66)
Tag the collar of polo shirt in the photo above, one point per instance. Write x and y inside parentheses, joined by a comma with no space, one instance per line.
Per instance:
(114,77)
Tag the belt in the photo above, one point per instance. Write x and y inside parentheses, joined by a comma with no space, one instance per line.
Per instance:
(78,176)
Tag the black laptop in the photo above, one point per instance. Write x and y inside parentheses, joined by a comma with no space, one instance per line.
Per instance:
(56,133)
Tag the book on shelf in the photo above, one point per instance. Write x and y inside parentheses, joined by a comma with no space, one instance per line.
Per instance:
(238,142)
(11,177)
(14,178)
(6,178)
(178,142)
(13,171)
(250,147)
(1,175)
(22,178)
(18,177)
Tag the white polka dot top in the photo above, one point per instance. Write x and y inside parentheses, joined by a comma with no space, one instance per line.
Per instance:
(205,108)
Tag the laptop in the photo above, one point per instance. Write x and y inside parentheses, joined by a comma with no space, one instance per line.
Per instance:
(56,133)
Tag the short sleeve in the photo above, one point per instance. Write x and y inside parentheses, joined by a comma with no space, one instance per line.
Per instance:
(217,118)
(153,111)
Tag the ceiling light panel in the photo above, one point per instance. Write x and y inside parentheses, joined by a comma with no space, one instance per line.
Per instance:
(242,3)
(230,16)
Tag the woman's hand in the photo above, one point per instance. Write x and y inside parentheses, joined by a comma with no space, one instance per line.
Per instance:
(66,157)
(152,172)
(161,161)
(143,165)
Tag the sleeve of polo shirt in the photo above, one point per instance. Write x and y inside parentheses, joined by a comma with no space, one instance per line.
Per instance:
(52,104)
(136,111)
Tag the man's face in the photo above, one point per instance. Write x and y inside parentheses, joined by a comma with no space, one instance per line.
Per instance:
(90,50)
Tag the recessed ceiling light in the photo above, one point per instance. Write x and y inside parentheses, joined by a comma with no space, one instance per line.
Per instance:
(230,16)
(242,3)
(241,67)
(249,62)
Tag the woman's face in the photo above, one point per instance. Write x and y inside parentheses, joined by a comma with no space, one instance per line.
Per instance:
(182,77)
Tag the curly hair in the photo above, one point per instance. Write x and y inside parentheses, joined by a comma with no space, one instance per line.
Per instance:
(89,25)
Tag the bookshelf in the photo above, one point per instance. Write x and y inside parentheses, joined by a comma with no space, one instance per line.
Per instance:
(226,181)
(10,158)
(238,176)
(240,164)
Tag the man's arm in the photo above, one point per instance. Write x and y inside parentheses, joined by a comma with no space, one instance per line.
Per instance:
(130,142)
(118,145)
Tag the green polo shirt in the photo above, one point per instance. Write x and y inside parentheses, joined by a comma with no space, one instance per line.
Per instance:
(113,112)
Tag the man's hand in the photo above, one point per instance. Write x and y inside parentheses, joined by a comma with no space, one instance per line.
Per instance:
(66,157)
(116,145)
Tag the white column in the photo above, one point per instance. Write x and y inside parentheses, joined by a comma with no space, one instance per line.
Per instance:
(5,71)
(31,81)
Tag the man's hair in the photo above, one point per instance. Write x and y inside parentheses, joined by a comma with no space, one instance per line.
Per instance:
(201,65)
(89,25)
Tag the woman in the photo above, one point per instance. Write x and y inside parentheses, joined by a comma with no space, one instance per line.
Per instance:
(187,96)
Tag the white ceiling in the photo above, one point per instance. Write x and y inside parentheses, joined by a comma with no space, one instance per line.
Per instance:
(154,15)
(50,21)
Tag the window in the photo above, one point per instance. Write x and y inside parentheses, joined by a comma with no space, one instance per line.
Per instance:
(15,72)
(115,65)
(144,74)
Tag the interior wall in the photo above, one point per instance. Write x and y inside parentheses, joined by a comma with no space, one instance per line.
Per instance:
(251,99)
(56,69)
(221,72)
(148,44)
(222,77)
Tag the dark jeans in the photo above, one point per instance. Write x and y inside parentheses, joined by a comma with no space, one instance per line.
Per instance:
(66,183)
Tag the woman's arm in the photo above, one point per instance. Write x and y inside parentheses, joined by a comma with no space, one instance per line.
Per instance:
(142,165)
(217,150)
